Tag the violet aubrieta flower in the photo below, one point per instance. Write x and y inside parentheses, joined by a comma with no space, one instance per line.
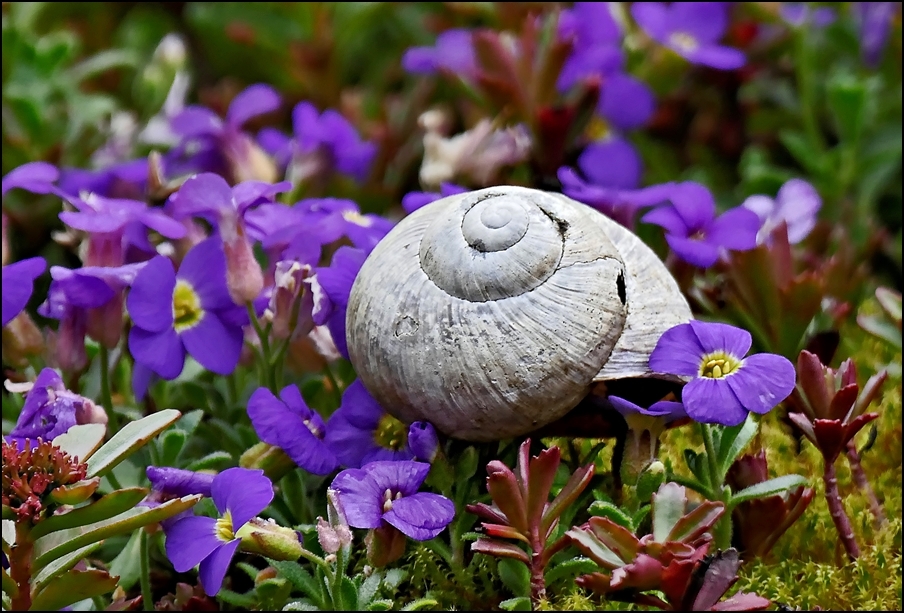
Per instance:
(422,441)
(361,431)
(331,287)
(800,14)
(666,410)
(796,205)
(724,385)
(35,177)
(412,201)
(874,20)
(453,52)
(50,410)
(189,311)
(387,493)
(239,495)
(178,482)
(288,423)
(18,284)
(690,29)
(127,179)
(694,232)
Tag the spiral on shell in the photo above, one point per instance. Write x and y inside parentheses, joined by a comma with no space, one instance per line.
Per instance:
(490,313)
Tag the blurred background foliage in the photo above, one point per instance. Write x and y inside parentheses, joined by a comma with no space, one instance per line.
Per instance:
(804,105)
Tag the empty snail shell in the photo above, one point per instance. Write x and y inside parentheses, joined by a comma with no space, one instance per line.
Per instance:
(491,313)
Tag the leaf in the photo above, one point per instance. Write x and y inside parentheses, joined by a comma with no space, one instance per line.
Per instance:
(521,603)
(62,564)
(733,440)
(799,146)
(696,462)
(301,605)
(668,508)
(347,598)
(127,563)
(62,542)
(82,440)
(576,484)
(542,474)
(102,62)
(602,508)
(212,461)
(767,488)
(72,587)
(569,569)
(847,99)
(515,576)
(106,507)
(129,439)
(368,588)
(499,549)
(240,601)
(380,605)
(303,581)
(620,540)
(171,444)
(698,521)
(393,578)
(591,546)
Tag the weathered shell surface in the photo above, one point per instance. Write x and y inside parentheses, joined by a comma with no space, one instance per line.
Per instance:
(490,313)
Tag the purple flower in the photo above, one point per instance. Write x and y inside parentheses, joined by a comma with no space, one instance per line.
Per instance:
(724,384)
(288,423)
(331,286)
(122,180)
(875,22)
(590,24)
(239,494)
(412,201)
(177,482)
(361,431)
(799,14)
(453,52)
(338,217)
(50,410)
(189,311)
(796,205)
(387,493)
(665,409)
(691,29)
(694,232)
(35,177)
(422,441)
(18,284)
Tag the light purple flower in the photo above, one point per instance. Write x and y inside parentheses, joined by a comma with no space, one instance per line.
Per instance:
(799,14)
(361,431)
(665,409)
(796,205)
(422,441)
(288,423)
(189,311)
(239,495)
(331,286)
(18,284)
(387,493)
(412,201)
(35,177)
(694,232)
(691,29)
(453,52)
(724,385)
(338,217)
(875,22)
(50,410)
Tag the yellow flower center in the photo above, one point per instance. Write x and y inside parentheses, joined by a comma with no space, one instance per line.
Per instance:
(357,218)
(187,310)
(684,41)
(223,529)
(391,433)
(718,365)
(597,129)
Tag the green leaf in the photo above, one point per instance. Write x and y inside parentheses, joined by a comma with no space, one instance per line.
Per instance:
(696,462)
(171,443)
(521,603)
(799,146)
(368,588)
(668,508)
(569,569)
(515,576)
(62,564)
(301,605)
(127,563)
(102,62)
(240,601)
(73,586)
(9,586)
(698,521)
(348,595)
(733,440)
(81,441)
(62,542)
(380,605)
(393,578)
(602,508)
(112,504)
(767,488)
(301,579)
(847,99)
(128,440)
(217,460)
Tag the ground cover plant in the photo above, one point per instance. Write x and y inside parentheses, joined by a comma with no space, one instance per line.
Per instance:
(190,189)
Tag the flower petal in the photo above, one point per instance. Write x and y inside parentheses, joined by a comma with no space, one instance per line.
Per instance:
(697,252)
(678,352)
(18,284)
(762,381)
(714,336)
(36,177)
(214,345)
(150,300)
(705,21)
(195,121)
(178,481)
(652,17)
(255,100)
(712,401)
(243,492)
(203,193)
(421,516)
(361,498)
(214,567)
(735,229)
(611,163)
(190,540)
(668,219)
(626,102)
(716,56)
(405,477)
(162,352)
(204,267)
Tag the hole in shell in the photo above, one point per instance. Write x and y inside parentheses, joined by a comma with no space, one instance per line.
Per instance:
(620,286)
(406,326)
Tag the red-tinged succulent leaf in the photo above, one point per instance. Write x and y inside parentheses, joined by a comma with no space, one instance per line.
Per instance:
(595,582)
(803,422)
(811,378)
(543,85)
(644,573)
(591,546)
(869,392)
(648,600)
(747,470)
(542,474)
(72,587)
(843,401)
(846,374)
(75,493)
(890,301)
(668,508)
(502,531)
(676,576)
(830,437)
(127,604)
(697,522)
(857,425)
(719,573)
(522,466)
(507,495)
(617,538)
(577,483)
(761,522)
(743,601)
(487,513)
(500,549)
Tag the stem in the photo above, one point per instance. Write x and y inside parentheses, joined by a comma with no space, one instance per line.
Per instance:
(337,391)
(836,510)
(718,491)
(805,87)
(21,556)
(537,563)
(859,476)
(147,597)
(106,394)
(269,381)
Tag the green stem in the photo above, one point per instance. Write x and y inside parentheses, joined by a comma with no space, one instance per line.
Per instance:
(805,85)
(105,391)
(337,390)
(269,379)
(147,597)
(718,491)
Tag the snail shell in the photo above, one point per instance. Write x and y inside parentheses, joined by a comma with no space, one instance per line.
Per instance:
(491,313)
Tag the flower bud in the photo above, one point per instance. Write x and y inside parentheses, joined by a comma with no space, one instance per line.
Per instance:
(290,305)
(244,277)
(267,538)
(21,339)
(422,441)
(272,460)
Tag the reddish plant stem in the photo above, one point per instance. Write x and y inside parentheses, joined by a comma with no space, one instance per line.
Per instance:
(859,476)
(836,510)
(537,562)
(20,557)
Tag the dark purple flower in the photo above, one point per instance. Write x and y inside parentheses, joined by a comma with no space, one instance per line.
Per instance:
(177,482)
(694,232)
(799,14)
(288,423)
(35,177)
(724,385)
(453,52)
(331,286)
(691,29)
(239,494)
(387,493)
(796,205)
(18,284)
(128,180)
(189,311)
(50,410)
(422,441)
(334,218)
(361,431)
(412,201)
(875,22)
